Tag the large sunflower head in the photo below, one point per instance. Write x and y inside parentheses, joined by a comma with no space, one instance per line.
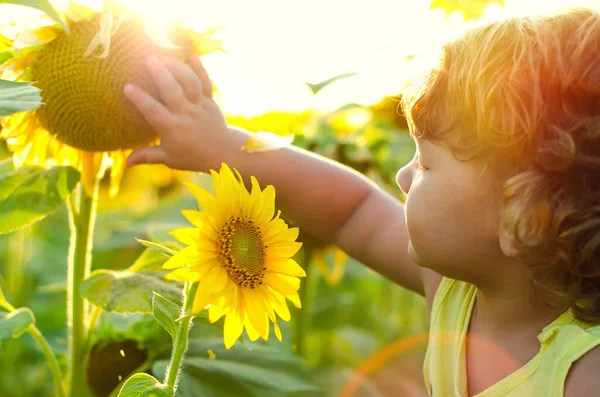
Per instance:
(81,74)
(240,252)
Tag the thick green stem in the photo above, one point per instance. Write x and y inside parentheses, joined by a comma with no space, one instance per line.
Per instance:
(51,358)
(180,344)
(80,261)
(306,293)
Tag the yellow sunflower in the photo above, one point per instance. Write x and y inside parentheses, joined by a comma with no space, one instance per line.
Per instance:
(241,253)
(85,120)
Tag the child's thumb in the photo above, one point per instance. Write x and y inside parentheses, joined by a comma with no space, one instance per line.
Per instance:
(147,155)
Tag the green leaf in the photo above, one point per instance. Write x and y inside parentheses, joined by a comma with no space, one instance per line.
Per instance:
(17,97)
(126,292)
(255,370)
(15,323)
(6,166)
(166,313)
(144,385)
(5,56)
(29,197)
(159,247)
(43,5)
(151,259)
(316,87)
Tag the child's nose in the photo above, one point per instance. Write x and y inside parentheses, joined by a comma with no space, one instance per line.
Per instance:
(404,178)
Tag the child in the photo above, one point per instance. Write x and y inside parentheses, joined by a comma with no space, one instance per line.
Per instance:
(502,218)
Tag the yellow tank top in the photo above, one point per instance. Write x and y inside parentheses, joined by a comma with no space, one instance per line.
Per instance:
(561,343)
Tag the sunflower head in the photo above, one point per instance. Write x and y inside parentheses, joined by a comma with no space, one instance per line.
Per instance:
(81,73)
(241,253)
(82,87)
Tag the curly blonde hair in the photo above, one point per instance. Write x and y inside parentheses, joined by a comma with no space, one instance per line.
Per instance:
(525,93)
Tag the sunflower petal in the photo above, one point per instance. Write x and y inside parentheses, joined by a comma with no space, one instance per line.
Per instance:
(201,300)
(255,308)
(215,280)
(277,331)
(215,312)
(116,172)
(278,303)
(287,266)
(206,201)
(234,327)
(250,330)
(184,274)
(186,235)
(285,285)
(286,250)
(295,299)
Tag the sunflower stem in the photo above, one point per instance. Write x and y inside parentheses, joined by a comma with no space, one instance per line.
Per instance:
(51,358)
(306,293)
(46,349)
(82,216)
(180,344)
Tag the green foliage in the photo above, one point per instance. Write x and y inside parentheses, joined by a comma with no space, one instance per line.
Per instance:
(166,313)
(158,247)
(144,385)
(316,87)
(43,5)
(15,323)
(29,195)
(151,260)
(256,370)
(126,292)
(17,96)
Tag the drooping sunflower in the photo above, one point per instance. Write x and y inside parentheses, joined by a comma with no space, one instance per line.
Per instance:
(240,252)
(85,120)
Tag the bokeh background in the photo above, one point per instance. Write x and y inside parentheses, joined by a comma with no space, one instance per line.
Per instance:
(330,72)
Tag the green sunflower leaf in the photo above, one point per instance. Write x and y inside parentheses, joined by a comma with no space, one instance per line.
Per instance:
(126,292)
(17,97)
(42,5)
(152,259)
(166,313)
(15,323)
(255,370)
(158,247)
(29,195)
(316,87)
(144,385)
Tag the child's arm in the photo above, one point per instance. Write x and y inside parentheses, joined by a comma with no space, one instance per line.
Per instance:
(324,198)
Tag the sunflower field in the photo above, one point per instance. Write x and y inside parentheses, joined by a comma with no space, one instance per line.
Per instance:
(97,294)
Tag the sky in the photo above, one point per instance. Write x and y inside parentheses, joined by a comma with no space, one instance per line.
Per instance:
(274,46)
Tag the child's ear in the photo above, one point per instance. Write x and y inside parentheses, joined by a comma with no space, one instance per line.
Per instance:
(506,239)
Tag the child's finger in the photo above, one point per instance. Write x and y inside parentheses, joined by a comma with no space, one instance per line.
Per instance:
(147,155)
(170,90)
(188,80)
(152,110)
(196,64)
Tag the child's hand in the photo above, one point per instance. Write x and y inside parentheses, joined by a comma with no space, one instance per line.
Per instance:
(189,123)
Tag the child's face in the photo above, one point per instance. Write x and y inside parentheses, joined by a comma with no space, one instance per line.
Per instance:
(452,212)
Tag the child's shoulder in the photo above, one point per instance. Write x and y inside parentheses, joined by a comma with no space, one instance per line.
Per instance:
(583,379)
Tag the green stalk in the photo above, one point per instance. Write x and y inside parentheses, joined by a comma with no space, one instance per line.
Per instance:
(82,221)
(46,349)
(52,362)
(307,291)
(180,344)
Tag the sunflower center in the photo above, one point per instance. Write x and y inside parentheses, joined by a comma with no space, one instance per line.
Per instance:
(84,105)
(242,252)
